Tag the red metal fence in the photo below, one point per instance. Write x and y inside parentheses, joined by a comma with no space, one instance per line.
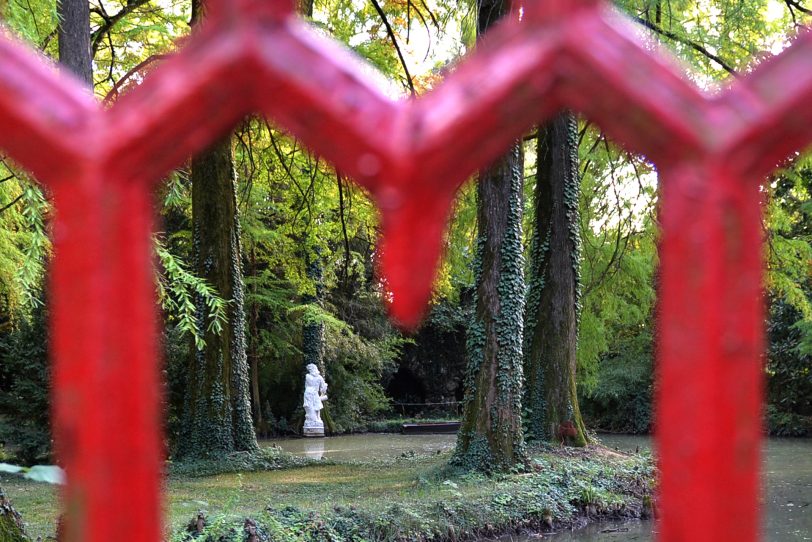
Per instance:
(252,55)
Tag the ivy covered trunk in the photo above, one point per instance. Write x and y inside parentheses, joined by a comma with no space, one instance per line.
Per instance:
(253,349)
(551,319)
(490,437)
(12,528)
(313,328)
(217,409)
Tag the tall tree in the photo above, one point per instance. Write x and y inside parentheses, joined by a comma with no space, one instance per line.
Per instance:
(490,437)
(74,38)
(216,416)
(551,318)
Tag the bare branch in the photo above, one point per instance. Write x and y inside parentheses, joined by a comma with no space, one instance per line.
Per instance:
(394,40)
(109,21)
(114,92)
(4,209)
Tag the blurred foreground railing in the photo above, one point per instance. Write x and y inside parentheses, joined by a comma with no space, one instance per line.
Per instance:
(253,56)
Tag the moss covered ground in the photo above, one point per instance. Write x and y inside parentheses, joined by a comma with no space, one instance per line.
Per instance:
(408,498)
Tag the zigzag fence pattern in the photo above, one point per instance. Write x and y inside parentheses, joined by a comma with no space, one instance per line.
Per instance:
(101,166)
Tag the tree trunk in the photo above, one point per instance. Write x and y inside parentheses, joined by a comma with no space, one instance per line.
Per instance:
(490,437)
(313,331)
(216,416)
(12,528)
(217,413)
(551,318)
(74,38)
(253,354)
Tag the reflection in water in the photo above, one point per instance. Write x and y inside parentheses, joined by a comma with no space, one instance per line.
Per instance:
(787,480)
(314,447)
(367,446)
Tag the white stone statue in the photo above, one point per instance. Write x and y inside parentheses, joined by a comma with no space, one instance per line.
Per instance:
(314,393)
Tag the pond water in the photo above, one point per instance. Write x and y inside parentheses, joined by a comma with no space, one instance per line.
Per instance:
(787,504)
(787,476)
(365,446)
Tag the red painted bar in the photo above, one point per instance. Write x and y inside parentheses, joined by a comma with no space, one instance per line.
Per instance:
(412,155)
(709,372)
(106,384)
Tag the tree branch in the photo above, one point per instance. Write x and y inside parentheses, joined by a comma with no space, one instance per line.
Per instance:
(114,92)
(685,41)
(110,21)
(797,5)
(347,253)
(4,209)
(394,40)
(51,35)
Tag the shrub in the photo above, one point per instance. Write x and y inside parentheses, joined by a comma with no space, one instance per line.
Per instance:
(24,397)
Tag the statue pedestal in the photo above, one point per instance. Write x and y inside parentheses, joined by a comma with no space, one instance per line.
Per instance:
(313,431)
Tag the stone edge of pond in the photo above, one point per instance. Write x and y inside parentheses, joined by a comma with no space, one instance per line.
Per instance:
(564,488)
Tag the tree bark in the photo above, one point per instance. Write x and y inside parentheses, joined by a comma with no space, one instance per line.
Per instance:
(74,38)
(12,528)
(490,437)
(217,413)
(552,313)
(313,331)
(253,353)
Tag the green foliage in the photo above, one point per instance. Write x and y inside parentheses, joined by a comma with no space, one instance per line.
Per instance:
(355,366)
(24,246)
(619,252)
(789,240)
(24,393)
(178,290)
(738,33)
(619,234)
(264,459)
(12,528)
(622,400)
(33,20)
(37,246)
(177,350)
(444,505)
(781,423)
(789,372)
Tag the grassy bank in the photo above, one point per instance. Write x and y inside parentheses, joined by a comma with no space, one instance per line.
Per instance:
(409,498)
